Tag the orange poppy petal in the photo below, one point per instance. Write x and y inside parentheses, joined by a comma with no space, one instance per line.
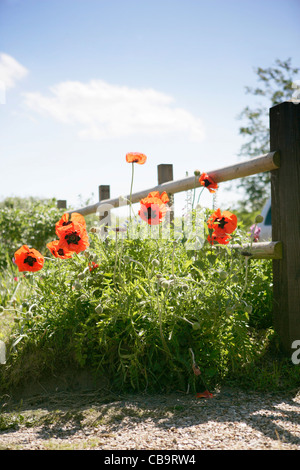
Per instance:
(205,394)
(136,157)
(150,213)
(58,251)
(67,219)
(153,214)
(213,217)
(156,198)
(222,223)
(164,197)
(74,239)
(206,181)
(28,259)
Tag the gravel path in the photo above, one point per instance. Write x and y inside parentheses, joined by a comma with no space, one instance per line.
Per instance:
(231,420)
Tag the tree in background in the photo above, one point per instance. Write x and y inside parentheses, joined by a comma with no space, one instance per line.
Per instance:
(277,85)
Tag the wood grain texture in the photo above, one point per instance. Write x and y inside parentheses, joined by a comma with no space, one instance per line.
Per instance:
(261,250)
(285,194)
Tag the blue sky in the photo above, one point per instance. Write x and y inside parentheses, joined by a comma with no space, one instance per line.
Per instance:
(86,81)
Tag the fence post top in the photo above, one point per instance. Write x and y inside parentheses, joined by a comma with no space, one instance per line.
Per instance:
(286,103)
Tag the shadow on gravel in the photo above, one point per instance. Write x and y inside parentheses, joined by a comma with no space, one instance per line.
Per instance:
(63,413)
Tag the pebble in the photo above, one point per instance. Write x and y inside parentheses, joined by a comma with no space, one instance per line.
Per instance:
(234,420)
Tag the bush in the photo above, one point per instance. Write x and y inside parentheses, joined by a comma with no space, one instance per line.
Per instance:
(135,309)
(26,221)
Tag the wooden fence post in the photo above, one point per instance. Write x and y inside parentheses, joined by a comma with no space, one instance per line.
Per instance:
(104,193)
(165,174)
(285,209)
(61,204)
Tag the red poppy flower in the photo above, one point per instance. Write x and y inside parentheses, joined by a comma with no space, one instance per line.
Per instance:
(223,240)
(68,219)
(205,394)
(222,223)
(206,181)
(74,238)
(28,259)
(58,251)
(136,157)
(153,207)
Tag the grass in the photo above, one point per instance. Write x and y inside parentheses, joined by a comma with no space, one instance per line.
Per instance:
(133,320)
(135,317)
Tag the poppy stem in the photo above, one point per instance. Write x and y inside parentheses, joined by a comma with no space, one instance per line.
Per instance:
(160,323)
(173,254)
(194,193)
(131,186)
(116,256)
(246,276)
(200,195)
(194,365)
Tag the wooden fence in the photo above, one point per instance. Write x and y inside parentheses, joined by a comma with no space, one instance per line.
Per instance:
(283,161)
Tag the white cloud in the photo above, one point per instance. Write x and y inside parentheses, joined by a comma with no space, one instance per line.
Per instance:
(10,71)
(102,110)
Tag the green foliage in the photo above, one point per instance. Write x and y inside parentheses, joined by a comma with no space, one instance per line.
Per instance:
(134,306)
(135,314)
(276,86)
(26,222)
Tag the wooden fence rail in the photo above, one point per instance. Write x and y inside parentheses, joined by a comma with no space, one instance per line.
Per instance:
(283,161)
(267,162)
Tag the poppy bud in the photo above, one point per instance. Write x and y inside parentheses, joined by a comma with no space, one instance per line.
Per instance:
(77,285)
(223,275)
(99,309)
(126,259)
(155,262)
(248,309)
(258,219)
(165,283)
(197,172)
(229,310)
(196,326)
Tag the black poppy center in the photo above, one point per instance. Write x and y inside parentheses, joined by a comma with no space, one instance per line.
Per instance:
(72,238)
(222,222)
(61,252)
(151,214)
(30,260)
(207,183)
